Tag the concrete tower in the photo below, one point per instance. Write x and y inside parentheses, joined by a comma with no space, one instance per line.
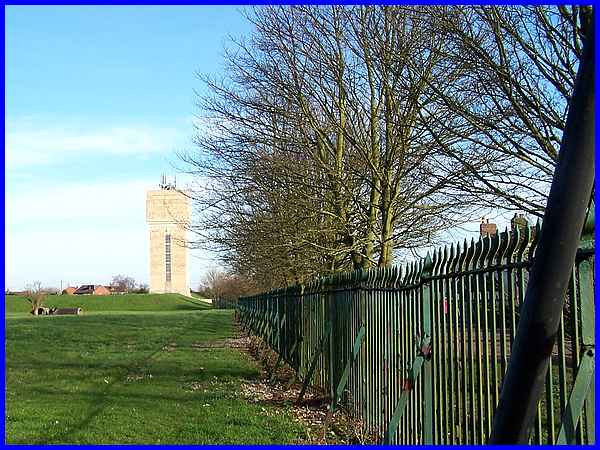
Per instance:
(168,213)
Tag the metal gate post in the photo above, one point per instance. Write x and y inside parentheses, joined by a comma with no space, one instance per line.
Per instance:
(427,333)
(586,280)
(581,400)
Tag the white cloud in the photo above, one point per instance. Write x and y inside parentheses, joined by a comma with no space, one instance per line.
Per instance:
(75,232)
(85,203)
(75,256)
(27,143)
(80,233)
(82,256)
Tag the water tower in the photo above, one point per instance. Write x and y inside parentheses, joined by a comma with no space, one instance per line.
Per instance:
(168,212)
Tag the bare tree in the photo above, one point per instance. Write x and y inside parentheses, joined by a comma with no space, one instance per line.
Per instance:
(225,288)
(342,137)
(410,176)
(213,281)
(35,295)
(123,282)
(302,172)
(507,112)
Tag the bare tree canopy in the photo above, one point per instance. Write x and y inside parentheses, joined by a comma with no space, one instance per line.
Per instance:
(342,137)
(123,283)
(521,66)
(224,288)
(35,295)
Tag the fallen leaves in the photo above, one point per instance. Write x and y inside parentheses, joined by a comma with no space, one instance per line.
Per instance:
(170,347)
(279,397)
(196,386)
(137,376)
(240,342)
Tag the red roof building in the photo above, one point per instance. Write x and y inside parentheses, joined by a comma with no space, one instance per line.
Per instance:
(92,289)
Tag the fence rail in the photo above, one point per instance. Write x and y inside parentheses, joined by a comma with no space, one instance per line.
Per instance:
(418,352)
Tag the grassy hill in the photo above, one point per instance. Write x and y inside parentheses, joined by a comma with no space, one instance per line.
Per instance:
(104,303)
(135,369)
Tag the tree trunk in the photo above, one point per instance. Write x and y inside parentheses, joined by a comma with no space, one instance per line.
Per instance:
(387,229)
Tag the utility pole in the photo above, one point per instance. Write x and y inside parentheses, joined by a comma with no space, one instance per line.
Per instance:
(564,217)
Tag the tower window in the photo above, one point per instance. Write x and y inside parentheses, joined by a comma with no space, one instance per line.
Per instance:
(168,257)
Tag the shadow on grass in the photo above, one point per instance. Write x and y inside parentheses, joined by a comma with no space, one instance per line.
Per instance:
(187,395)
(171,370)
(165,374)
(101,401)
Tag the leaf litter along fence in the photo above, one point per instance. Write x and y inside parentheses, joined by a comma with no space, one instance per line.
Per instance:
(419,352)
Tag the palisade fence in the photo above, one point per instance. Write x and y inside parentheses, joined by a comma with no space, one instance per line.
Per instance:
(418,352)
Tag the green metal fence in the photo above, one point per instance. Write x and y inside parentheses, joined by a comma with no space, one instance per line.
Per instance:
(419,352)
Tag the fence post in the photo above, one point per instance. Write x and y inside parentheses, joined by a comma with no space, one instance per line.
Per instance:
(331,299)
(427,333)
(581,400)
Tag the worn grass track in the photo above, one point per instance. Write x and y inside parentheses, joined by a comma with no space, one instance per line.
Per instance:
(133,377)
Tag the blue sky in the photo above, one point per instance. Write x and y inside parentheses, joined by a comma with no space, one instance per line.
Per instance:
(97,101)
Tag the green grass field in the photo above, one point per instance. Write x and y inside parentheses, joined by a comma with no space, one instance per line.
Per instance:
(110,303)
(132,369)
